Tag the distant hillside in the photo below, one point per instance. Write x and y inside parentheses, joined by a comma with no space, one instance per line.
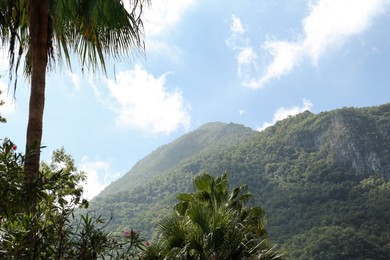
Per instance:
(322,179)
(209,137)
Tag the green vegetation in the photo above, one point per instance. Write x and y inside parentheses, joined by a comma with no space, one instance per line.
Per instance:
(46,228)
(318,177)
(212,223)
(38,220)
(324,181)
(212,137)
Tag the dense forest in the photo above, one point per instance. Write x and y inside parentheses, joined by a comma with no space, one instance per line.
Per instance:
(322,179)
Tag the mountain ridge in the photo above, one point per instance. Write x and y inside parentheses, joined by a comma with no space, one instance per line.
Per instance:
(190,144)
(313,174)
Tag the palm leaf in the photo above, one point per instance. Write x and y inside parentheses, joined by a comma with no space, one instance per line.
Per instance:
(204,182)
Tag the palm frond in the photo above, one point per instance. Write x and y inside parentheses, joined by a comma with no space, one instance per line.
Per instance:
(96,29)
(14,33)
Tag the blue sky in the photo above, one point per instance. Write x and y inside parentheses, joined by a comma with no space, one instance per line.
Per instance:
(248,62)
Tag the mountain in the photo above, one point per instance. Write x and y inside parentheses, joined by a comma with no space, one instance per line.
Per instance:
(323,180)
(210,137)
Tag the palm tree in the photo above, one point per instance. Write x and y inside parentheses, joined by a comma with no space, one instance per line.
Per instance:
(48,31)
(213,193)
(212,223)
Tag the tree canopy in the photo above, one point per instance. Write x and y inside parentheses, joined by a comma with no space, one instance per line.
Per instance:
(213,223)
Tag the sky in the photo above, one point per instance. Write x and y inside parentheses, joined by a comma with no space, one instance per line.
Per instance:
(248,62)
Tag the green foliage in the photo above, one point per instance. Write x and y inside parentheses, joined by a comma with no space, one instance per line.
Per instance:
(335,242)
(211,137)
(308,172)
(88,29)
(37,219)
(213,224)
(145,194)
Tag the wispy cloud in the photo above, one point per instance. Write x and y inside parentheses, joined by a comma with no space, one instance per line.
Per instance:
(329,24)
(9,103)
(161,17)
(236,26)
(3,68)
(75,79)
(142,101)
(284,112)
(246,56)
(99,176)
(4,64)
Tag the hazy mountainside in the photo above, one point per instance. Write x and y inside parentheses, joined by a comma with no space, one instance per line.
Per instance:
(209,137)
(322,179)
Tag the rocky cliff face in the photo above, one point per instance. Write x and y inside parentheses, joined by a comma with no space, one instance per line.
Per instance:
(360,141)
(357,138)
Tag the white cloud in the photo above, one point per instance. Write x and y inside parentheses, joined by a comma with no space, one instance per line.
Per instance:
(246,57)
(329,24)
(7,94)
(332,21)
(236,26)
(92,84)
(4,64)
(237,39)
(99,176)
(9,103)
(159,18)
(284,112)
(75,78)
(164,15)
(142,101)
(286,57)
(3,68)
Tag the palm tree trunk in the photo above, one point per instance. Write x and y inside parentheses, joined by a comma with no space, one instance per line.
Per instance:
(38,49)
(38,14)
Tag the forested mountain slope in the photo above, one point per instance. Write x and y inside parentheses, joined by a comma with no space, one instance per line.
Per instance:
(209,137)
(322,179)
